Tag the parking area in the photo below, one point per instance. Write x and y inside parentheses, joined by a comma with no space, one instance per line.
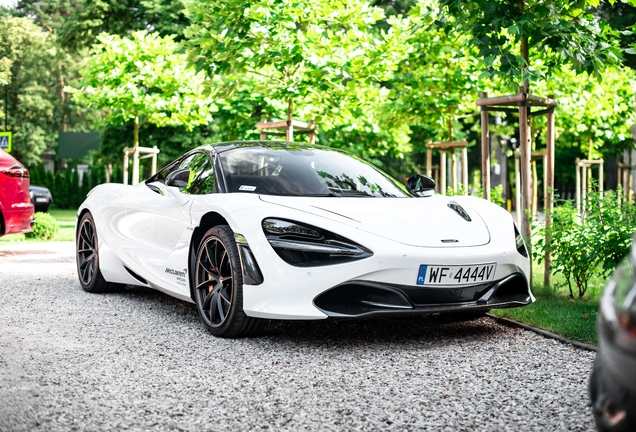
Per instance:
(140,360)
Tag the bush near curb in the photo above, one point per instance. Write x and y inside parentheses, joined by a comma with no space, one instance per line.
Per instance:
(590,244)
(45,227)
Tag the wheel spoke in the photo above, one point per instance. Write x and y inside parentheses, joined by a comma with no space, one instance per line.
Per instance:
(208,298)
(88,259)
(84,273)
(205,284)
(225,295)
(213,308)
(87,236)
(209,250)
(219,305)
(84,250)
(207,270)
(90,270)
(223,259)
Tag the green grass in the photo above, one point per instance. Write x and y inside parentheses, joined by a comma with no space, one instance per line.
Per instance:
(556,312)
(65,220)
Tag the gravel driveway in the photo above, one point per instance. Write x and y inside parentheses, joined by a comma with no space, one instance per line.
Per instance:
(140,360)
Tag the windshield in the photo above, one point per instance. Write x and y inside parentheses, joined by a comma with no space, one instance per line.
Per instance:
(305,172)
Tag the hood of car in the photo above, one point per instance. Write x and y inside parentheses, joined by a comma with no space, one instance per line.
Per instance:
(435,221)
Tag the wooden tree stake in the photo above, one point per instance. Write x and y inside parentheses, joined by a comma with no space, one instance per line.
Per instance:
(485,151)
(548,205)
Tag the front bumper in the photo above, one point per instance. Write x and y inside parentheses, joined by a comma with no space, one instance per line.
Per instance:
(364,298)
(382,284)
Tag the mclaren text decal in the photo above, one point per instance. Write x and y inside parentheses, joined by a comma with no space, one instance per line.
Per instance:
(179,274)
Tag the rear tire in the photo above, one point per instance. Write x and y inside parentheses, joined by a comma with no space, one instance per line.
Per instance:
(218,282)
(87,258)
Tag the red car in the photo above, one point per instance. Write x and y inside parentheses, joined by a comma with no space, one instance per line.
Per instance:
(16,210)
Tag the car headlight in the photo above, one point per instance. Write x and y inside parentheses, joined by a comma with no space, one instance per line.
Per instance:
(303,245)
(281,227)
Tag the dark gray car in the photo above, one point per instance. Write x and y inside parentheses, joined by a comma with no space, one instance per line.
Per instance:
(41,198)
(613,381)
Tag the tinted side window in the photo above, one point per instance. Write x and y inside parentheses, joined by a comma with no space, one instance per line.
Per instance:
(173,166)
(202,179)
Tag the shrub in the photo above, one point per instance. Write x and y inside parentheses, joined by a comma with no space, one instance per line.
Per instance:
(45,227)
(590,244)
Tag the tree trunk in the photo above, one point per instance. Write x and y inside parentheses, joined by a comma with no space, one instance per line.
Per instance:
(63,96)
(136,132)
(135,170)
(524,53)
(535,176)
(289,133)
(590,155)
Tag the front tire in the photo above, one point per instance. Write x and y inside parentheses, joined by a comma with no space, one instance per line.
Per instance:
(218,289)
(87,258)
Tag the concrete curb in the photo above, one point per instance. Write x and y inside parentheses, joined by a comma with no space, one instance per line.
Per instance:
(544,333)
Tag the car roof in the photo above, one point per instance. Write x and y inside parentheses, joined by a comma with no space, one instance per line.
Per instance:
(230,145)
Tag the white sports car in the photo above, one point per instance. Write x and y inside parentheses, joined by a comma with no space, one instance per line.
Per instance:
(266,230)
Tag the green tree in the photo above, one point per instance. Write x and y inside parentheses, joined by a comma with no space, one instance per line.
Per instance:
(24,50)
(319,55)
(622,16)
(143,79)
(511,34)
(437,82)
(79,22)
(593,119)
(55,68)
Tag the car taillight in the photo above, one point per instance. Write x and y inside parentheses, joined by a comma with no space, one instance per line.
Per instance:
(16,172)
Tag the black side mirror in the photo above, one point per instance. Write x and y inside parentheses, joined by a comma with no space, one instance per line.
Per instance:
(421,185)
(178,178)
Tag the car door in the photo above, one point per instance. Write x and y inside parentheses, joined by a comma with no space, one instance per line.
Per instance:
(159,226)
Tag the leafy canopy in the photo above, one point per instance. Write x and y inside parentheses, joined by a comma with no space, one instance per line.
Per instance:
(143,79)
(78,22)
(557,31)
(437,81)
(320,52)
(24,54)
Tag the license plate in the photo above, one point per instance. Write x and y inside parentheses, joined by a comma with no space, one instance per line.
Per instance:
(456,274)
(42,199)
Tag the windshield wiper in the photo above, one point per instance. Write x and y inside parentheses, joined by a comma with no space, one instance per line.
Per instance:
(328,194)
(350,192)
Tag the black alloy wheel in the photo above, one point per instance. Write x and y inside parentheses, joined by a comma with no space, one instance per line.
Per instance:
(218,285)
(87,257)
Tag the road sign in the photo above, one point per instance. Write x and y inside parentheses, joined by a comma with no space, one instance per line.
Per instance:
(6,141)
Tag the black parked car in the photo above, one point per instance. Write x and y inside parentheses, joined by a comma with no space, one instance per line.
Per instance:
(613,381)
(41,198)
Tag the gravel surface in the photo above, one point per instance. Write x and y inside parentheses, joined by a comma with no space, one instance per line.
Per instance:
(140,360)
